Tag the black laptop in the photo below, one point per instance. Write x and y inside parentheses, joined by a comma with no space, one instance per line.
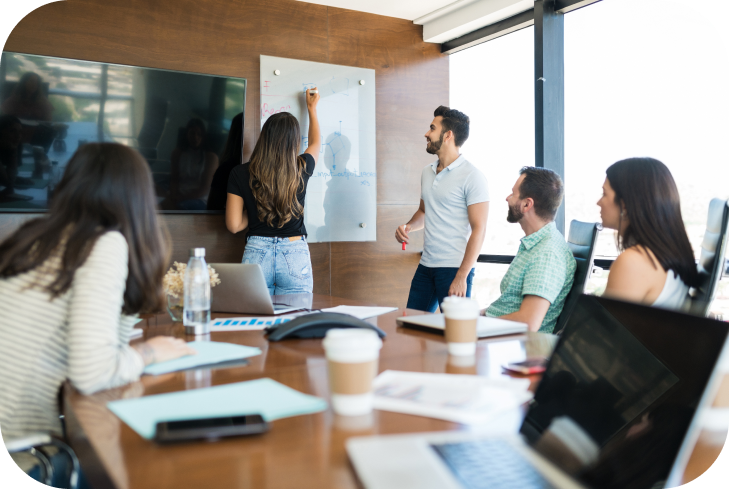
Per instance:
(615,409)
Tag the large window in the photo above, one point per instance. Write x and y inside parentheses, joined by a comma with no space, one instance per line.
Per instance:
(492,84)
(647,78)
(642,78)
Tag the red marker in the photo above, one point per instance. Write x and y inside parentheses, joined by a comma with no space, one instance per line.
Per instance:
(404,244)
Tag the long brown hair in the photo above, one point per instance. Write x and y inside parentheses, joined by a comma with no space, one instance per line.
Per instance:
(106,187)
(653,207)
(276,170)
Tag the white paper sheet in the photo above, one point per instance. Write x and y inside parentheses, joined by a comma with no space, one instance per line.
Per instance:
(467,399)
(361,312)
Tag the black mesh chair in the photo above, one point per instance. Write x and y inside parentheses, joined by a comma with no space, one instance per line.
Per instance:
(36,445)
(711,262)
(581,240)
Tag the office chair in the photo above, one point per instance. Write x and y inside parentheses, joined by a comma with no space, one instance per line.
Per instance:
(711,262)
(581,240)
(35,445)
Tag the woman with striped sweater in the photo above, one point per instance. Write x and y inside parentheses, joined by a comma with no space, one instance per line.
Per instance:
(71,284)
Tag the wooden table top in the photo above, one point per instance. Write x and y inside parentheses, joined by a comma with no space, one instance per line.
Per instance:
(303,451)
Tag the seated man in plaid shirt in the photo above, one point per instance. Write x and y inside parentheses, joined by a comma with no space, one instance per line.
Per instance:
(536,285)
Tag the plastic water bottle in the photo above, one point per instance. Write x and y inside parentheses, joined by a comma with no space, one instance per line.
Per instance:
(196,317)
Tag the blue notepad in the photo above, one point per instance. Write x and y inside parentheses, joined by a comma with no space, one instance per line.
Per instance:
(262,396)
(208,353)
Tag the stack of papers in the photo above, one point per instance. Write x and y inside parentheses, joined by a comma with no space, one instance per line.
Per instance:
(467,399)
(208,353)
(262,396)
(360,311)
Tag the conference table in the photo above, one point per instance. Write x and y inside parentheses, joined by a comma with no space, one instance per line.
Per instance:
(305,451)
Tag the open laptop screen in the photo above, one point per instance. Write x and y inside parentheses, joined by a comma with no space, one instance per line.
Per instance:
(620,391)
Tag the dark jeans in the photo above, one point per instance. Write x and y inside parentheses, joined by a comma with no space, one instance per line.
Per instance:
(430,286)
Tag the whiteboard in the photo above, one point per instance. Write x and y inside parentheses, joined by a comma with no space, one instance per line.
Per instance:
(341,199)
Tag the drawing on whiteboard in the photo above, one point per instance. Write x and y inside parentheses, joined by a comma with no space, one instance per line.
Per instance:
(342,191)
(337,150)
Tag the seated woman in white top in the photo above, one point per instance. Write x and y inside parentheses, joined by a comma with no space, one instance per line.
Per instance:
(656,267)
(71,284)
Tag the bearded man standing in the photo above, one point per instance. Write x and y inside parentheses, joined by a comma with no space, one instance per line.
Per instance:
(454,207)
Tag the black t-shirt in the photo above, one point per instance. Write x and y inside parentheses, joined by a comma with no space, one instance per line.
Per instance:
(239,184)
(219,186)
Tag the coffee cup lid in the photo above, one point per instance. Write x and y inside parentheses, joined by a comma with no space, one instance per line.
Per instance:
(352,339)
(460,303)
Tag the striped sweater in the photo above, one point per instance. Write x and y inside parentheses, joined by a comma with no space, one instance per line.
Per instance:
(81,336)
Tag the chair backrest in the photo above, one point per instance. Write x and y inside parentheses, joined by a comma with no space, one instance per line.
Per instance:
(581,240)
(711,262)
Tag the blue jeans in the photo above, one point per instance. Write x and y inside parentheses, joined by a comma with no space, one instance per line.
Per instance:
(286,264)
(430,286)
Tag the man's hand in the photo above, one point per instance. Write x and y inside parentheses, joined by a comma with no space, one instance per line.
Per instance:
(402,234)
(458,287)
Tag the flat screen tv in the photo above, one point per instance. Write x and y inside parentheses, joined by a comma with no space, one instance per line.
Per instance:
(50,106)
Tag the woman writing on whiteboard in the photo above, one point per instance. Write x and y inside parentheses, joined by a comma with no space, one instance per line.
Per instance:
(266,196)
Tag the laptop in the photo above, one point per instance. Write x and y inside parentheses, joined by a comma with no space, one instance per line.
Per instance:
(486,327)
(616,407)
(243,289)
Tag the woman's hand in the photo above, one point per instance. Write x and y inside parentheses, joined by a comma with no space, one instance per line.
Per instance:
(314,141)
(312,99)
(163,348)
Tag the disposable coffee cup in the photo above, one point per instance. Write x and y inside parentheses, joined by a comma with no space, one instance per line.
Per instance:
(352,356)
(461,318)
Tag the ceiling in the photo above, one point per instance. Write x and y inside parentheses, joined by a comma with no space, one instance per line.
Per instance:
(442,20)
(403,9)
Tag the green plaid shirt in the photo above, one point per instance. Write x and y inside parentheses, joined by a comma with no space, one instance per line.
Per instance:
(543,266)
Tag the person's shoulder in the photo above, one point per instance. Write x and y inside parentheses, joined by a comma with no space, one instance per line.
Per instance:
(111,243)
(471,171)
(555,242)
(310,162)
(240,170)
(636,258)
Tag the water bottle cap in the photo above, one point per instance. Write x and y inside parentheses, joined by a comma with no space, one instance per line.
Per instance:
(197,252)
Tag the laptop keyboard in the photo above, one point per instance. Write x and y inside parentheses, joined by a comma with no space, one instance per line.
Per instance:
(491,464)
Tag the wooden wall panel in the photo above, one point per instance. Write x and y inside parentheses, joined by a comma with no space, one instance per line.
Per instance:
(378,272)
(225,37)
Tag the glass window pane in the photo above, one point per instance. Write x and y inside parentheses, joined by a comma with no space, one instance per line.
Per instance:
(647,78)
(487,281)
(492,84)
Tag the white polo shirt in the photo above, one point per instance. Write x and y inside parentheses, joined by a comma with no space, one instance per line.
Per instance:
(447,196)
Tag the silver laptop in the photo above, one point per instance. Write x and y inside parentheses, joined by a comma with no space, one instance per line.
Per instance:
(243,289)
(616,407)
(486,327)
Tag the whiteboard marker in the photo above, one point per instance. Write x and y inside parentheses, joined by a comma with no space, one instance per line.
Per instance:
(404,244)
(313,91)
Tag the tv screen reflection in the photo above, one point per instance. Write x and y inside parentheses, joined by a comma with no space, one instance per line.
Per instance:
(49,107)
